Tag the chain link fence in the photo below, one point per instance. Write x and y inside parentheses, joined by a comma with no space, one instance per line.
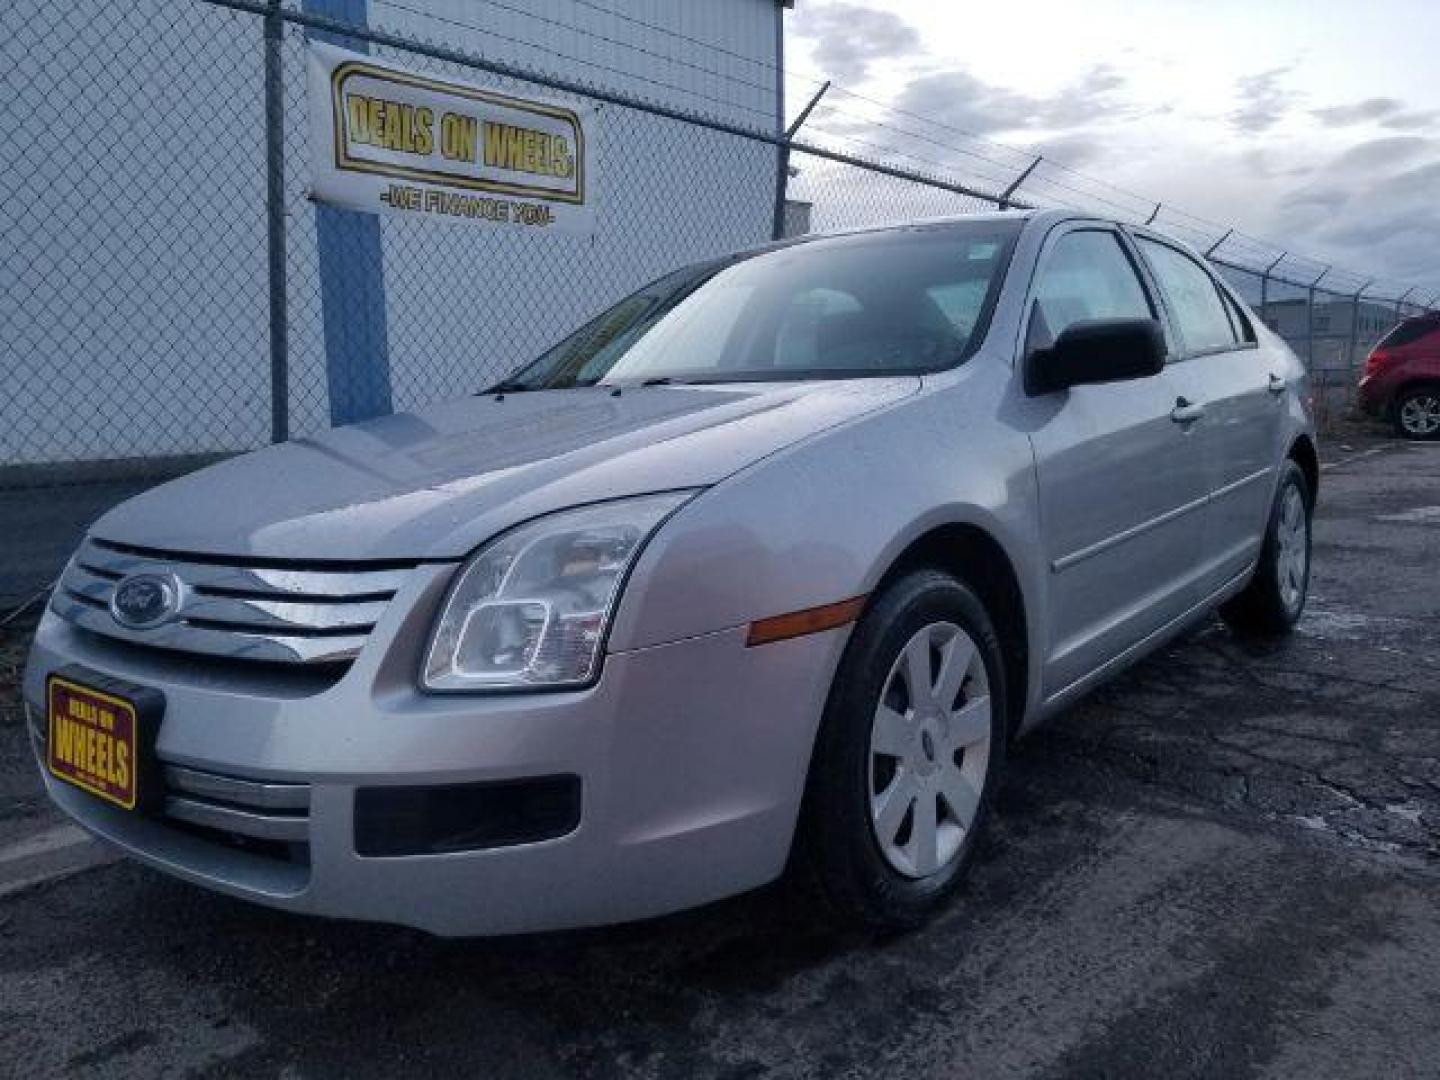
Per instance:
(458,308)
(134,249)
(171,290)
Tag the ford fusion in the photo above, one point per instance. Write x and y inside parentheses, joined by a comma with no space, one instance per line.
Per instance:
(760,570)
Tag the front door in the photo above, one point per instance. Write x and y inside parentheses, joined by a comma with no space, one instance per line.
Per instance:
(1122,477)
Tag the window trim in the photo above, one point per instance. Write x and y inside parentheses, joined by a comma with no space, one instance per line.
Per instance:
(985,320)
(1235,305)
(1222,290)
(1052,239)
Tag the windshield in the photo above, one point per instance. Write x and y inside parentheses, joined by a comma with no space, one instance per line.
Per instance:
(884,303)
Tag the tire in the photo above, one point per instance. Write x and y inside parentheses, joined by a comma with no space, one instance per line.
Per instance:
(1272,603)
(1417,413)
(862,754)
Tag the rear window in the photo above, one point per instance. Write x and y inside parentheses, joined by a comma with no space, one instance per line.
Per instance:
(1409,332)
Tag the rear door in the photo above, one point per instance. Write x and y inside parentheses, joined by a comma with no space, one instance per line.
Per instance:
(1244,422)
(1122,482)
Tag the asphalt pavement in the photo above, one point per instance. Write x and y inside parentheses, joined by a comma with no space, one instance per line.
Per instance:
(1226,864)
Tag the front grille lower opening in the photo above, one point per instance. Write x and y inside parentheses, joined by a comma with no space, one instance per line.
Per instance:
(294,853)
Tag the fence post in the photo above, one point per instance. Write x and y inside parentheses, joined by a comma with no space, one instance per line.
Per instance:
(1210,254)
(1265,287)
(1354,326)
(1003,202)
(1310,330)
(782,164)
(275,223)
(1310,322)
(1400,302)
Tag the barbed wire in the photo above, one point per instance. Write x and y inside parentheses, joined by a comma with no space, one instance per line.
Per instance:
(848,139)
(1082,185)
(768,114)
(834,110)
(589,32)
(667,31)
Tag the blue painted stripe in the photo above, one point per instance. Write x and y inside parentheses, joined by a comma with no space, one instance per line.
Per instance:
(352,281)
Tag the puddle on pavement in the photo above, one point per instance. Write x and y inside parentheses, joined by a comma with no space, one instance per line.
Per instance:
(1419,515)
(1334,625)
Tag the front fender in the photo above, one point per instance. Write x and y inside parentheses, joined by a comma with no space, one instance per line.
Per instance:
(824,520)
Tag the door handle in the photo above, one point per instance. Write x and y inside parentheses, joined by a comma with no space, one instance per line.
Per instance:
(1276,384)
(1186,412)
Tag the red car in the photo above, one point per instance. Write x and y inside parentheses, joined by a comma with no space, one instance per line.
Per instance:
(1402,378)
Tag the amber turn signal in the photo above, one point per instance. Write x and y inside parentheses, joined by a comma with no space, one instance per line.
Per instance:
(809,621)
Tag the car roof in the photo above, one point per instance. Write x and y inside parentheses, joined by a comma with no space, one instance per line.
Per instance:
(1042,220)
(1043,217)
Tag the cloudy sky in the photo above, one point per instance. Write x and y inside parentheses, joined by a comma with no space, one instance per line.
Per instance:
(1315,123)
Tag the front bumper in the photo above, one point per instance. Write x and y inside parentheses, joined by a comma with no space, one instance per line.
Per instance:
(691,756)
(1372,396)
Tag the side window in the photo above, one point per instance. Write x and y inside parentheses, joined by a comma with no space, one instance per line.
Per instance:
(1195,298)
(1087,276)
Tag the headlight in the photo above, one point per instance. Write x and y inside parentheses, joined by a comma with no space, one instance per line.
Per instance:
(531,608)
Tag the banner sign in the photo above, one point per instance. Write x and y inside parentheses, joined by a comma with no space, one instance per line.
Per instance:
(386,139)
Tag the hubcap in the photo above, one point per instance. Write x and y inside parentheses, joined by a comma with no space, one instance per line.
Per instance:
(1420,415)
(1292,553)
(929,750)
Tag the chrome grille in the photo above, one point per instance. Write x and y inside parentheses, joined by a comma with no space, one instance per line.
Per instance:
(230,609)
(249,808)
(238,813)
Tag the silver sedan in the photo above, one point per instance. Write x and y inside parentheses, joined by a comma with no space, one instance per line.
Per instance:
(763,568)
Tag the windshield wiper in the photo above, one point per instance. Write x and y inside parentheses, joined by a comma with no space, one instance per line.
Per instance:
(507,386)
(514,386)
(671,380)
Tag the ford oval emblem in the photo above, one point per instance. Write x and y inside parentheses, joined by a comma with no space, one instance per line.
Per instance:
(142,601)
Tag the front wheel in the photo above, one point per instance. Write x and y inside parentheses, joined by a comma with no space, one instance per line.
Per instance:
(909,754)
(1271,604)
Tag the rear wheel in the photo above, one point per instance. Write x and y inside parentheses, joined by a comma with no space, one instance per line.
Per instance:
(1417,413)
(1271,604)
(908,756)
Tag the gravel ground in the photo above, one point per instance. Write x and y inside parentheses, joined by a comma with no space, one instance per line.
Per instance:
(1225,863)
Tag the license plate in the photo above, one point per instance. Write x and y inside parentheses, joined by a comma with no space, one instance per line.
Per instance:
(94,741)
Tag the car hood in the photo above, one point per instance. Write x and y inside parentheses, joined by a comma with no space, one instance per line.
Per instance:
(437,482)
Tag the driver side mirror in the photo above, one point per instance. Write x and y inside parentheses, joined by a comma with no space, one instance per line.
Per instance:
(1096,351)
